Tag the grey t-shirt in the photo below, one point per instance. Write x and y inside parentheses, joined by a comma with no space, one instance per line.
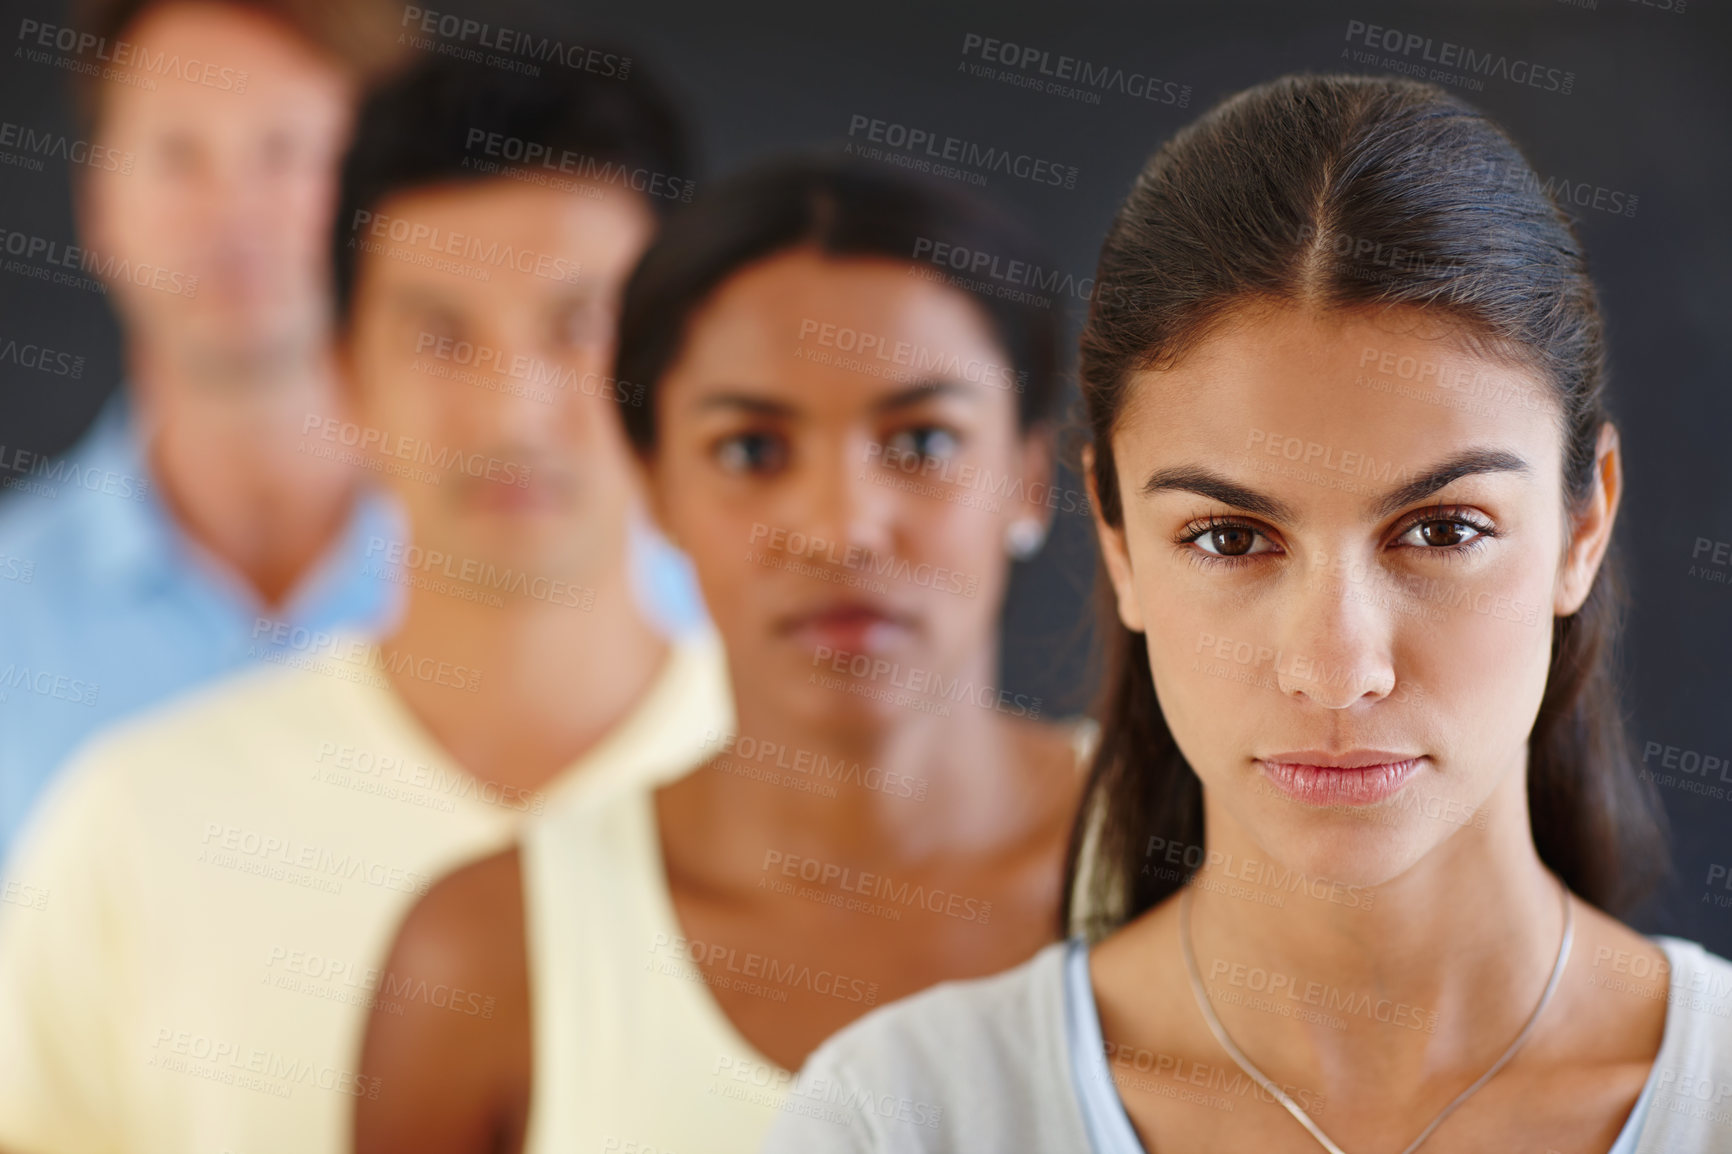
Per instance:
(1013,1063)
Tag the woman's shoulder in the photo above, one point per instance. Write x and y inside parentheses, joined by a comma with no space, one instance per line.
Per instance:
(1700,983)
(976,1013)
(1700,994)
(465,933)
(970,1064)
(1690,1089)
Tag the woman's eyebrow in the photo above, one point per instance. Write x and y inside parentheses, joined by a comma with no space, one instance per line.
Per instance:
(1464,464)
(923,391)
(757,406)
(901,399)
(1205,482)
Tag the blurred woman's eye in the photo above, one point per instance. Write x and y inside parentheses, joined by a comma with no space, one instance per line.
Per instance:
(921,443)
(755,452)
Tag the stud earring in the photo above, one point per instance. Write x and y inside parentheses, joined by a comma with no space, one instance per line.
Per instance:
(1023,538)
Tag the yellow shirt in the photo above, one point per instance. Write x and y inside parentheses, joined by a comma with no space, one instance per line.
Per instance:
(214,890)
(632,1052)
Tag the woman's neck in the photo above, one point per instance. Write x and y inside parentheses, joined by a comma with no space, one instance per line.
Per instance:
(907,786)
(1445,959)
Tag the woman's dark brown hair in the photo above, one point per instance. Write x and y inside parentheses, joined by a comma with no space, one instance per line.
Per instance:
(1362,193)
(842,207)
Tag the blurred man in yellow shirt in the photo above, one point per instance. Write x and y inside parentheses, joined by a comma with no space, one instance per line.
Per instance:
(224,878)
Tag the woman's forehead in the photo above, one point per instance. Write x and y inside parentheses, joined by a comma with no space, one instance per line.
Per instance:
(1331,392)
(823,329)
(811,296)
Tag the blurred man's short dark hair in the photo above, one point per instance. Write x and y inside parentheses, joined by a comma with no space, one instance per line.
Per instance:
(447,120)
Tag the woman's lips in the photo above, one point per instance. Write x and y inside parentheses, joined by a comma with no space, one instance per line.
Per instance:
(847,628)
(1358,783)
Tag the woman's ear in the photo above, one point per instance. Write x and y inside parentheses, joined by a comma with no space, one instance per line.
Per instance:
(1591,529)
(1114,550)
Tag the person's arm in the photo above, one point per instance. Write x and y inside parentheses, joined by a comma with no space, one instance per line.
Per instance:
(64,913)
(448,1038)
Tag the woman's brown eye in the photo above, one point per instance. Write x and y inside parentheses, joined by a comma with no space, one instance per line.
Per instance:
(1443,534)
(1232,541)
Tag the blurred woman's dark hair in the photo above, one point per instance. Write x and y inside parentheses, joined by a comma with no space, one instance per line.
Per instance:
(842,208)
(1355,193)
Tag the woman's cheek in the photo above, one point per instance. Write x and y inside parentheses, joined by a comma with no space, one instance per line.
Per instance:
(729,572)
(1483,666)
(965,547)
(1206,678)
(717,539)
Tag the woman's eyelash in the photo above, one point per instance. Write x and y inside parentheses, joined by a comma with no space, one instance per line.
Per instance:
(1197,527)
(1483,528)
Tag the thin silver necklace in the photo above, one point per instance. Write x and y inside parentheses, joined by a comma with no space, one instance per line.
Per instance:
(1279,1095)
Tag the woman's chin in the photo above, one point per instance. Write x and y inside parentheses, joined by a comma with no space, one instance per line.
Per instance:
(1335,862)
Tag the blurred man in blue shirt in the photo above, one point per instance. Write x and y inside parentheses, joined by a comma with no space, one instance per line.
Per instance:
(143,558)
(136,567)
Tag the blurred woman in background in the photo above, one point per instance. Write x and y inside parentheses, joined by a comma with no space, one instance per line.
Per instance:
(851,448)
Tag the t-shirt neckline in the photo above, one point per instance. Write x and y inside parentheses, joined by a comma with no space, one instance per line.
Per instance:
(1108,1123)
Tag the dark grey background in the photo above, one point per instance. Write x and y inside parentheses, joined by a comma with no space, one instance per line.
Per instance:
(1648,117)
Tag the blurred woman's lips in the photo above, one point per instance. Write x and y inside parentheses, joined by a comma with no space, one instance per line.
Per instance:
(847,626)
(1357,777)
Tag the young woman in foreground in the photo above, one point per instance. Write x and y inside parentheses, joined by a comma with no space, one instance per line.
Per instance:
(816,402)
(1363,791)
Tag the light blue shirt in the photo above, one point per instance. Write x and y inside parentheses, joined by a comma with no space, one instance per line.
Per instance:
(107,607)
(664,584)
